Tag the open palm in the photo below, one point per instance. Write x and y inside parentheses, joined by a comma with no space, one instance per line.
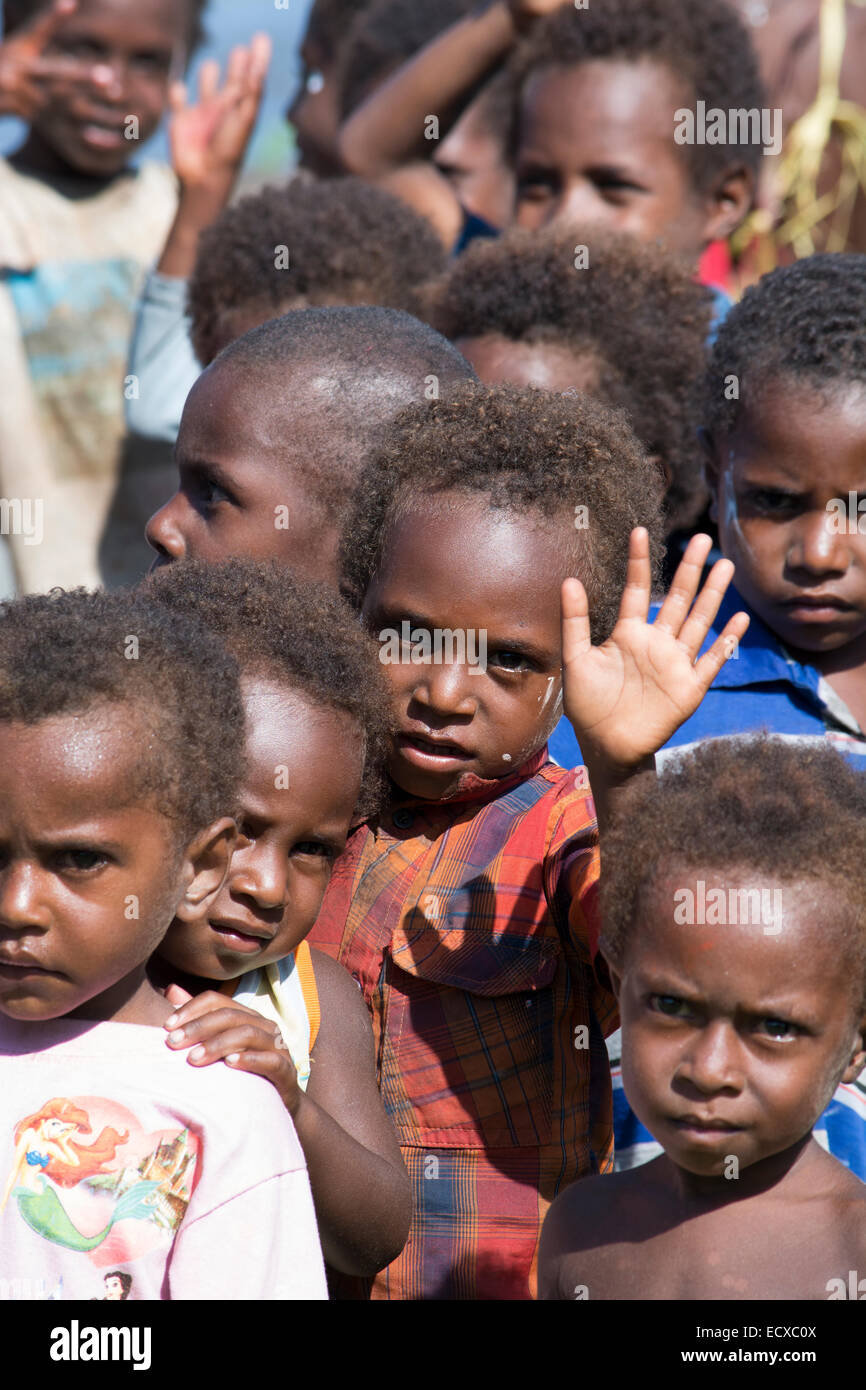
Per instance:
(627,697)
(208,139)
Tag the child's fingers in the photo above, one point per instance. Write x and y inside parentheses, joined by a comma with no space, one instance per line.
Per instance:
(236,70)
(204,1006)
(575,621)
(41,29)
(208,80)
(705,607)
(724,647)
(685,583)
(177,995)
(260,58)
(247,1038)
(268,1064)
(177,97)
(636,595)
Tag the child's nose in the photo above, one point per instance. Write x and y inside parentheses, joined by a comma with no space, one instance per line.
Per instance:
(818,545)
(109,78)
(265,882)
(713,1062)
(21,904)
(447,689)
(163,534)
(578,203)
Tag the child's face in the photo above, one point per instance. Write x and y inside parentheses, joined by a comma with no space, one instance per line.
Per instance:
(488,698)
(596,144)
(315,112)
(499,361)
(89,875)
(736,1036)
(239,494)
(303,778)
(773,478)
(134,49)
(472,158)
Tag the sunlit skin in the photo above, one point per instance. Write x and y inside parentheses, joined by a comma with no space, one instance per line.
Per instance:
(734,1040)
(239,494)
(722,1026)
(454,562)
(501,361)
(596,144)
(791,453)
(78,845)
(296,805)
(131,52)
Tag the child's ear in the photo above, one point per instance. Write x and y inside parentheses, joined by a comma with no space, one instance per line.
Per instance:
(711,468)
(728,202)
(208,858)
(858,1056)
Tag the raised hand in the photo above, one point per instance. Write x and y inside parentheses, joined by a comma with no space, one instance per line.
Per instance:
(27,77)
(220,1029)
(627,697)
(208,139)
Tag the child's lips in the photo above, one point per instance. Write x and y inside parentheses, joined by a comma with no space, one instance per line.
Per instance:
(816,608)
(424,751)
(241,938)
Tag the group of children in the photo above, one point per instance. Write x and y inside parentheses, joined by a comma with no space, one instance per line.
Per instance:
(437,775)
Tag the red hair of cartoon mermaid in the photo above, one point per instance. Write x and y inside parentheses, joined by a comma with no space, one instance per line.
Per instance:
(92,1157)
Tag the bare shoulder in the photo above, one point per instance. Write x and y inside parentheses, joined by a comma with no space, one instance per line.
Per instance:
(345,1017)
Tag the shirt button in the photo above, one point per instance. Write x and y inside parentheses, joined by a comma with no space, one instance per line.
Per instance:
(403,819)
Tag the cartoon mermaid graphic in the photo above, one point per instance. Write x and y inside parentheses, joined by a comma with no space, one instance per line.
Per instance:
(46,1147)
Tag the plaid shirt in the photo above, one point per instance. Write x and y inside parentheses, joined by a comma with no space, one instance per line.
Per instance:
(471,927)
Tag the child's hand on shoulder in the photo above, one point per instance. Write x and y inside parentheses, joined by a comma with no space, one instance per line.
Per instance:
(208,139)
(27,76)
(218,1029)
(627,697)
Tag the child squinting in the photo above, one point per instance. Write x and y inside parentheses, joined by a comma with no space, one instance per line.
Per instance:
(738,1023)
(316,725)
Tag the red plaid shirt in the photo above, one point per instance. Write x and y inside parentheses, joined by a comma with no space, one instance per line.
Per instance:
(471,927)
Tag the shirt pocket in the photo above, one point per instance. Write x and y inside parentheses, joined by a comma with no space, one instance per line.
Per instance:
(467,1059)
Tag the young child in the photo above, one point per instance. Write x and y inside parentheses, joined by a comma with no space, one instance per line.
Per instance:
(599,92)
(339,241)
(467,908)
(276,430)
(579,310)
(77,228)
(785,410)
(737,1027)
(311,684)
(315,111)
(121,729)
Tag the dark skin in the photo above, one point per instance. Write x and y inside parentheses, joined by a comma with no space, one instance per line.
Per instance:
(734,1041)
(290,836)
(75,844)
(596,145)
(550,366)
(315,112)
(453,561)
(791,453)
(126,54)
(239,460)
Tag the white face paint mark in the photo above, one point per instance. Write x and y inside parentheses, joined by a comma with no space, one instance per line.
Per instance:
(506,757)
(729,503)
(544,699)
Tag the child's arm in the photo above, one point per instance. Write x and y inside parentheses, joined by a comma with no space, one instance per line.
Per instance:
(627,697)
(208,142)
(359,1182)
(388,129)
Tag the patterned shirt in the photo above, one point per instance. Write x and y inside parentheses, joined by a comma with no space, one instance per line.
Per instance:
(471,928)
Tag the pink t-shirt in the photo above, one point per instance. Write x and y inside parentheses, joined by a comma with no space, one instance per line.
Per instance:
(125,1171)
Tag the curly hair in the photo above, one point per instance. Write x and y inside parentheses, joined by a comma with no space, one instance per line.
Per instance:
(804,321)
(328,23)
(18,12)
(348,243)
(702,42)
(387,34)
(635,309)
(294,632)
(70,653)
(520,449)
(757,805)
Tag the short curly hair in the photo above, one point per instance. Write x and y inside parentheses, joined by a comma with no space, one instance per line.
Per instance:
(521,449)
(804,321)
(297,633)
(703,42)
(759,805)
(385,35)
(635,309)
(348,243)
(72,653)
(328,23)
(18,12)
